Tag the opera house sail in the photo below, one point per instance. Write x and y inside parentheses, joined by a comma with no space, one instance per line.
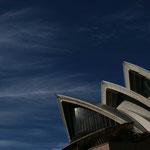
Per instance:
(120,121)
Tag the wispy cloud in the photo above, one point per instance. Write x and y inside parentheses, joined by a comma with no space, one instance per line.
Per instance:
(18,28)
(30,78)
(24,34)
(27,95)
(115,25)
(28,103)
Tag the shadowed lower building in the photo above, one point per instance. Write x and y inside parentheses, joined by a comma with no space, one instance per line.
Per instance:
(122,121)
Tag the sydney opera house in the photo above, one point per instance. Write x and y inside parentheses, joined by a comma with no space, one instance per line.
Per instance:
(120,122)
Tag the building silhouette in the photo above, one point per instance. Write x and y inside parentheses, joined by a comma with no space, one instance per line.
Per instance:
(120,122)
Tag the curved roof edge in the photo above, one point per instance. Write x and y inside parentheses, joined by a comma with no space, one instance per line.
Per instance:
(144,122)
(129,66)
(128,105)
(108,85)
(112,113)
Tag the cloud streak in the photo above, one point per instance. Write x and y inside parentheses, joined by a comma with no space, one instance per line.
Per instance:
(115,25)
(28,49)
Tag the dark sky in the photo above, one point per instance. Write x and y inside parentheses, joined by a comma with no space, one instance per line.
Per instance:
(50,47)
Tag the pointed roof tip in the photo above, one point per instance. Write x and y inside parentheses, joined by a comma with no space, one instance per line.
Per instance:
(103,82)
(130,64)
(61,97)
(124,62)
(134,67)
(58,96)
(127,63)
(106,84)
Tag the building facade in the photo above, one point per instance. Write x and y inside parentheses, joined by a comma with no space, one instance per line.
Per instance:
(121,121)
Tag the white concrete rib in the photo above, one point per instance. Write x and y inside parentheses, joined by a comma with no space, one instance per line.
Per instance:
(108,85)
(139,113)
(129,66)
(126,111)
(105,110)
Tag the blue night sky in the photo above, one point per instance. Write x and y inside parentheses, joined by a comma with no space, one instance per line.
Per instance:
(62,47)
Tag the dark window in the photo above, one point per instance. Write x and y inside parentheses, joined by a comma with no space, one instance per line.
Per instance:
(82,121)
(117,98)
(139,84)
